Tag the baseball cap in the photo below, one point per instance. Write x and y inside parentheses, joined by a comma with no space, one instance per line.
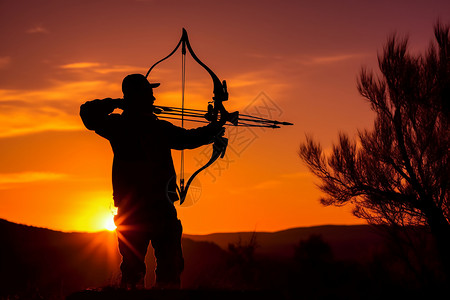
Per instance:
(134,83)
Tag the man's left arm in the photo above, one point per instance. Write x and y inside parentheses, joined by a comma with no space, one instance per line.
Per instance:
(180,138)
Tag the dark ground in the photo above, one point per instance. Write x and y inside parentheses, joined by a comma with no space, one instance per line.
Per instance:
(324,262)
(117,294)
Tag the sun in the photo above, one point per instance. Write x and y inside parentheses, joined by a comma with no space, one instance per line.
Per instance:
(108,223)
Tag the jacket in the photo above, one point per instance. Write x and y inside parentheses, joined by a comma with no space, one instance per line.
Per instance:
(142,166)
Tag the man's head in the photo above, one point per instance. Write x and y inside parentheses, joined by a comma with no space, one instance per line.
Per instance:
(137,91)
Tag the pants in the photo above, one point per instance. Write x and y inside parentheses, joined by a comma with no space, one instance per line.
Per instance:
(136,227)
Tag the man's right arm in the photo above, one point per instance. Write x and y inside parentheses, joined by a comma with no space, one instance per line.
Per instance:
(95,113)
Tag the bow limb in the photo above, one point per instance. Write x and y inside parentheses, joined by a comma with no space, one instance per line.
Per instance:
(170,54)
(220,93)
(219,148)
(220,88)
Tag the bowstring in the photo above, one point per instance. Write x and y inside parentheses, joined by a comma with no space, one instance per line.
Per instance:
(183,88)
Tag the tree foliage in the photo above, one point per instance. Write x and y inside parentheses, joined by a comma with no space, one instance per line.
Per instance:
(398,172)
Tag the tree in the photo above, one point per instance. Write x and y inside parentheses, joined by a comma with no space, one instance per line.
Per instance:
(313,251)
(398,172)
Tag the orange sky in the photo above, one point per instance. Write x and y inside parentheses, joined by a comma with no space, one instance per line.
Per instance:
(300,59)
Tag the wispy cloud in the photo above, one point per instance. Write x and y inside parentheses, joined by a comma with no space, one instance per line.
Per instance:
(328,59)
(37,29)
(264,56)
(9,179)
(100,68)
(80,65)
(308,59)
(333,58)
(4,61)
(245,86)
(261,186)
(54,108)
(275,183)
(297,175)
(57,107)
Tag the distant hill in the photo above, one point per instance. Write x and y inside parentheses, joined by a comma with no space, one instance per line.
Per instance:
(47,262)
(59,263)
(54,262)
(348,242)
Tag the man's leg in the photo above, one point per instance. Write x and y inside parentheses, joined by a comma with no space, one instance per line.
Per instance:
(169,256)
(133,245)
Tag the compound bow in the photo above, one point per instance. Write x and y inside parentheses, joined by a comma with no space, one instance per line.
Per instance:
(214,111)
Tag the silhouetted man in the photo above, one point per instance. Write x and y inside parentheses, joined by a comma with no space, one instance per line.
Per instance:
(143,177)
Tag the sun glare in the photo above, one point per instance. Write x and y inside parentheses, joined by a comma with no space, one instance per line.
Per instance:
(108,223)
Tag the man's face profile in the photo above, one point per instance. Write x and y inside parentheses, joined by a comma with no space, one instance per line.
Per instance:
(138,92)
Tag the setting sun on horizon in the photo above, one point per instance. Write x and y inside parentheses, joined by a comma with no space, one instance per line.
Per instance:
(108,223)
(291,60)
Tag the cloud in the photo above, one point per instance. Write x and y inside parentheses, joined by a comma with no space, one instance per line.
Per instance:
(264,56)
(118,69)
(4,61)
(308,59)
(263,185)
(6,180)
(53,108)
(333,58)
(245,87)
(37,29)
(100,68)
(329,59)
(298,175)
(80,65)
(56,107)
(268,184)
